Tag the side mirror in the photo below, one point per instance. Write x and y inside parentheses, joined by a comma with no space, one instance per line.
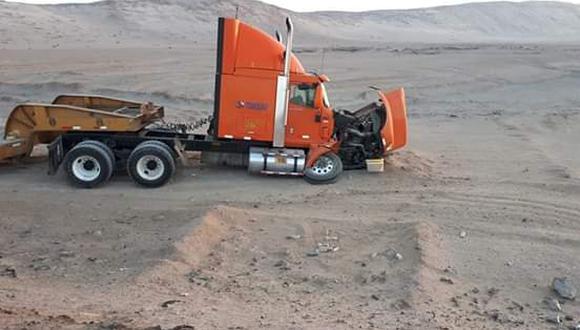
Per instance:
(278,36)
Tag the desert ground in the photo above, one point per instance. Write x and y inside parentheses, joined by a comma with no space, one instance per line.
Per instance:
(465,229)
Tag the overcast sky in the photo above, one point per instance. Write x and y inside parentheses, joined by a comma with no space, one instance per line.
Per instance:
(350,5)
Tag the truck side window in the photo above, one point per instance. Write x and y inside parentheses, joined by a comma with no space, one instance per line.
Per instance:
(303,95)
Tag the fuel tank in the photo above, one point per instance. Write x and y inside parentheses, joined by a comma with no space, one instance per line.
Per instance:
(279,161)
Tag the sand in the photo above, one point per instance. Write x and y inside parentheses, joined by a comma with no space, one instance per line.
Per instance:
(173,23)
(465,229)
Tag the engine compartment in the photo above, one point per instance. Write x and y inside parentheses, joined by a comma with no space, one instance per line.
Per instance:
(359,134)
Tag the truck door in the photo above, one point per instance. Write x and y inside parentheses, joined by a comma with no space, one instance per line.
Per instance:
(302,128)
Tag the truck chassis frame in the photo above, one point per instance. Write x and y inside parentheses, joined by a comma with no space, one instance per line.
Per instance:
(123,143)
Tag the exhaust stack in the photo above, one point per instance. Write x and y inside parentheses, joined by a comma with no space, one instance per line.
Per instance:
(288,53)
(283,91)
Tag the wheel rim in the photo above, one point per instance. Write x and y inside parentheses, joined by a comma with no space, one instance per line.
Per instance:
(86,168)
(150,167)
(323,166)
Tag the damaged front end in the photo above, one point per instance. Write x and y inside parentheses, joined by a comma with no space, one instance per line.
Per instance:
(372,131)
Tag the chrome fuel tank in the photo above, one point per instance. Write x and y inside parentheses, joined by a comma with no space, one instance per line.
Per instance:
(280,161)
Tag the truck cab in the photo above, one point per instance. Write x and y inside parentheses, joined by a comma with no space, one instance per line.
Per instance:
(263,94)
(249,62)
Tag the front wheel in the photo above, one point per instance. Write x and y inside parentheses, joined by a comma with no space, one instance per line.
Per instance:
(326,169)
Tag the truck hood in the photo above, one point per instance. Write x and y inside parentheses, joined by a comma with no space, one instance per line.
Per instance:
(395,130)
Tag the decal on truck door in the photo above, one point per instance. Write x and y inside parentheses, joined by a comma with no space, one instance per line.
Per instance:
(252,105)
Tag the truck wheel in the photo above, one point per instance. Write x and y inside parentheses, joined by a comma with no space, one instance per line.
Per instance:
(326,169)
(161,144)
(150,165)
(103,146)
(88,165)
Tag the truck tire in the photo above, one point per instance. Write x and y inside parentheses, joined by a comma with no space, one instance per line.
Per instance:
(163,145)
(103,146)
(88,165)
(150,165)
(326,169)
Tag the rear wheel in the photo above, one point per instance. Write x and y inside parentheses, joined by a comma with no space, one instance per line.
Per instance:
(103,146)
(326,169)
(88,165)
(151,165)
(161,144)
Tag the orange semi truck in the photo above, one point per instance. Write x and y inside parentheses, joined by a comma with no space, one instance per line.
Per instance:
(267,109)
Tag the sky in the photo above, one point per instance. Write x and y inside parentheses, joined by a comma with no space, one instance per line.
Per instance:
(312,5)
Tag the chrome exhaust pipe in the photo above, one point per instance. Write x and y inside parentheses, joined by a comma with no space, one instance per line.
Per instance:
(283,91)
(288,53)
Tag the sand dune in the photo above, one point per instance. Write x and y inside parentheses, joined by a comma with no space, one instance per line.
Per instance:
(151,23)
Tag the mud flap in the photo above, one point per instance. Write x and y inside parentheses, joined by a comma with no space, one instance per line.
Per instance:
(395,131)
(55,155)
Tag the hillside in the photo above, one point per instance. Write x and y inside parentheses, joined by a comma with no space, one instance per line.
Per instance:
(127,23)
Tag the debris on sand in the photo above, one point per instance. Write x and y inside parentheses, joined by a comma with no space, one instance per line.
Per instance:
(556,319)
(121,326)
(169,303)
(492,292)
(553,304)
(446,280)
(293,237)
(8,272)
(158,218)
(328,245)
(504,318)
(564,288)
(197,278)
(314,253)
(463,234)
(517,306)
(401,304)
(455,301)
(282,264)
(390,253)
(66,254)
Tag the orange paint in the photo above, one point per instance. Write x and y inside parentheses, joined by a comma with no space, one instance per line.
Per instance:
(395,131)
(251,62)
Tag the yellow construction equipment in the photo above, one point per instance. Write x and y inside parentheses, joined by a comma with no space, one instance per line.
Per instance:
(30,124)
